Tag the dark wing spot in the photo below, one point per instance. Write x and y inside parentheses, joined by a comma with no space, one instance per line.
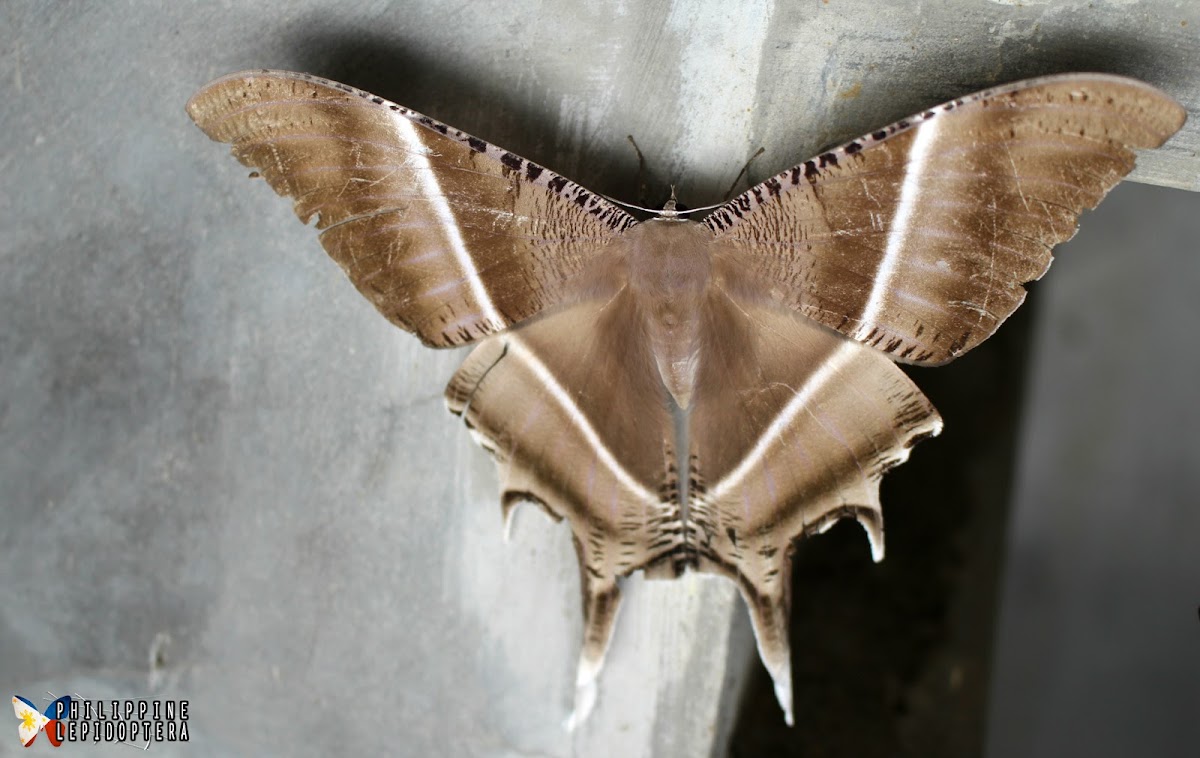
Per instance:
(557,184)
(533,171)
(957,346)
(879,134)
(853,148)
(426,121)
(512,161)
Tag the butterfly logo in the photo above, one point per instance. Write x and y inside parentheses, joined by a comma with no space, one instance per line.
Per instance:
(33,722)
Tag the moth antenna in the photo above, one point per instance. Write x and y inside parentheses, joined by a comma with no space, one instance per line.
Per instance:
(743,172)
(670,209)
(641,174)
(660,211)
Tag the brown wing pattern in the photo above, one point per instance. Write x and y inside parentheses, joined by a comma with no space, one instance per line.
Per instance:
(449,237)
(578,422)
(917,238)
(793,427)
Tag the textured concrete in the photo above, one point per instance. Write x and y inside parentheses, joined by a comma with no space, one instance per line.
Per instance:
(226,478)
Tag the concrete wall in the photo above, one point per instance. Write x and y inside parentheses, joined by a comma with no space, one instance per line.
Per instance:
(224,477)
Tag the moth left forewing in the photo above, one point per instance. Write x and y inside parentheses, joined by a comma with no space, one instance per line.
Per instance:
(792,429)
(916,239)
(448,236)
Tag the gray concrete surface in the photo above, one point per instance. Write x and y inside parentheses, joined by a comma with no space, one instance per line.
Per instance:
(226,478)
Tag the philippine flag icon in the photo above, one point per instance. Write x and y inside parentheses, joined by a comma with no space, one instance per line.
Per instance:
(33,722)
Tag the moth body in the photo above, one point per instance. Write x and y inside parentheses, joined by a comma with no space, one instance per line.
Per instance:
(669,275)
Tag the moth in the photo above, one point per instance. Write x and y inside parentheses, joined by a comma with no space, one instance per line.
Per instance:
(695,394)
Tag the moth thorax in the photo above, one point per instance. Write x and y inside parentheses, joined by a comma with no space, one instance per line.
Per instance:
(668,257)
(672,324)
(669,271)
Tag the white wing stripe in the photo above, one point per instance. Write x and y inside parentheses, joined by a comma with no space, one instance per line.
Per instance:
(433,194)
(559,393)
(910,191)
(812,385)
